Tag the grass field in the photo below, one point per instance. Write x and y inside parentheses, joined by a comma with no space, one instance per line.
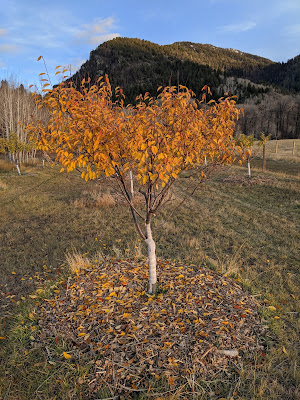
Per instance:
(247,229)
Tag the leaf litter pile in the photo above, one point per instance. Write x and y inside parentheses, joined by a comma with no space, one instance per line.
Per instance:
(198,325)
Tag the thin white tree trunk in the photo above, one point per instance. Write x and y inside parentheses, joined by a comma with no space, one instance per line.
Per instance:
(18,169)
(249,169)
(131,183)
(151,260)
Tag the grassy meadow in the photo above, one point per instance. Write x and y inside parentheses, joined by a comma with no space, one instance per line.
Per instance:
(52,224)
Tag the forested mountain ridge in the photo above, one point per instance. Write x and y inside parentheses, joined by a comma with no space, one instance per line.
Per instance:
(264,87)
(139,65)
(286,75)
(142,63)
(217,57)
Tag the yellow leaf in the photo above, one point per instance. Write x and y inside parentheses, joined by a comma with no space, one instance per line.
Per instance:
(67,355)
(126,315)
(154,149)
(80,327)
(81,334)
(2,338)
(31,316)
(272,308)
(32,296)
(39,58)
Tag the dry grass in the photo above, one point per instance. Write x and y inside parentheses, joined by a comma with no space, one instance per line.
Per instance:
(285,149)
(77,262)
(3,185)
(6,166)
(251,232)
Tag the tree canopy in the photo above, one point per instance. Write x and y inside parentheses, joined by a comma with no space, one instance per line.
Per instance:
(157,139)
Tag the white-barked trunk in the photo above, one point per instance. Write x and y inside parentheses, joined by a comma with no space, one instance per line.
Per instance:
(151,259)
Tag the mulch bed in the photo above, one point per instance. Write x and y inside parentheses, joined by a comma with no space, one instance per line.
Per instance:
(198,325)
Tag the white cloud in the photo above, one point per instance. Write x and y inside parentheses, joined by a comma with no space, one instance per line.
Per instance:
(76,64)
(8,48)
(3,32)
(237,28)
(293,30)
(288,6)
(97,32)
(103,38)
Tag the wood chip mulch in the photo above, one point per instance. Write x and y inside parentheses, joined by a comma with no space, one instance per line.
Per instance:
(198,325)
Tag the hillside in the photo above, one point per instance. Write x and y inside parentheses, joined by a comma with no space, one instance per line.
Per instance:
(138,65)
(266,88)
(218,58)
(286,74)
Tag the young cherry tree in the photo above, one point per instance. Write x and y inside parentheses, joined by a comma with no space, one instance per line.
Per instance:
(262,142)
(246,143)
(155,141)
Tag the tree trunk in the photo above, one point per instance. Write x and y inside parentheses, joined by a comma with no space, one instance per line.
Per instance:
(18,168)
(264,158)
(249,169)
(151,260)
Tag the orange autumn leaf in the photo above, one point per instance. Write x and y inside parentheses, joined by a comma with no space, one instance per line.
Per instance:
(171,380)
(67,356)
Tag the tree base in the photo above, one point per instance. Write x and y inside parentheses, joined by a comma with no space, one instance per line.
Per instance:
(154,288)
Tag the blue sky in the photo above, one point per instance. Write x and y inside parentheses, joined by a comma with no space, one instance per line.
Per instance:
(65,32)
